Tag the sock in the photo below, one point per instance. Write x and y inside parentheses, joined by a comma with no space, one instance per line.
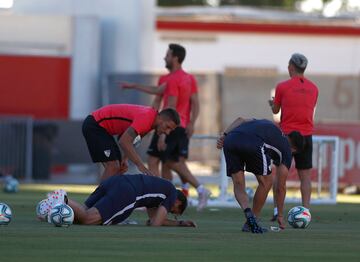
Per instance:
(185,189)
(275,211)
(185,186)
(248,212)
(200,189)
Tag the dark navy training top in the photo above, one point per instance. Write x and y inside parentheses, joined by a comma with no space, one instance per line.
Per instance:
(275,142)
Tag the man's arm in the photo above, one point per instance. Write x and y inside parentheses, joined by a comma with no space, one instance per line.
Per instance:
(158,217)
(274,107)
(172,102)
(126,144)
(157,102)
(154,90)
(236,123)
(282,173)
(195,110)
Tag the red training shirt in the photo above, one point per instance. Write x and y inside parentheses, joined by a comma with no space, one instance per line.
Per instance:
(297,98)
(117,118)
(183,86)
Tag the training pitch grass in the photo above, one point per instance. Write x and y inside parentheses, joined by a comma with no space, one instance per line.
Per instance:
(333,235)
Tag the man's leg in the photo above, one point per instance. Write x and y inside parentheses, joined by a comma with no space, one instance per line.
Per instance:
(85,216)
(243,200)
(111,168)
(166,172)
(261,193)
(305,186)
(183,171)
(274,186)
(239,189)
(185,174)
(153,163)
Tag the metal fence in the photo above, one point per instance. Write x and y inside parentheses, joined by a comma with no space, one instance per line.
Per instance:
(16,138)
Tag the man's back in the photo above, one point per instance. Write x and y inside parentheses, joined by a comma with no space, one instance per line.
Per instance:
(150,191)
(181,85)
(297,98)
(116,118)
(274,141)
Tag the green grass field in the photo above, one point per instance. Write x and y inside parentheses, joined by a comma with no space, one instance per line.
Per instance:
(333,235)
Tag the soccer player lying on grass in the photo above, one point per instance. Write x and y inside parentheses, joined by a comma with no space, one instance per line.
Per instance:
(253,145)
(115,198)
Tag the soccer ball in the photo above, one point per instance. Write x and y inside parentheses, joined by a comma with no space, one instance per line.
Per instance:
(5,214)
(11,185)
(299,217)
(61,215)
(42,209)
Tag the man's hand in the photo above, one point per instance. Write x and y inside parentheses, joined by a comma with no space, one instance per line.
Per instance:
(220,141)
(189,130)
(280,220)
(161,145)
(127,85)
(186,223)
(271,102)
(145,171)
(123,166)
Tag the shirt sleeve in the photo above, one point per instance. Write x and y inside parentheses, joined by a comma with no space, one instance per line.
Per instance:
(194,87)
(169,200)
(278,95)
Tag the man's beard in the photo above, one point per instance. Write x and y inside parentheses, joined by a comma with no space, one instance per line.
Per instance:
(168,66)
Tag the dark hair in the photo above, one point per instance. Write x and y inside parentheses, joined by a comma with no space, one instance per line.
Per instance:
(182,198)
(178,51)
(171,114)
(297,69)
(297,141)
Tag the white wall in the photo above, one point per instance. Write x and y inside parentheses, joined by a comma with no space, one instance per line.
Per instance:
(24,35)
(127,26)
(216,51)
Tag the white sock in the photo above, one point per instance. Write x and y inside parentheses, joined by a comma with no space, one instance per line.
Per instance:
(185,186)
(200,189)
(275,211)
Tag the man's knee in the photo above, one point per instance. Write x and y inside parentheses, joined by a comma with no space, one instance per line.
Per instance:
(112,166)
(238,179)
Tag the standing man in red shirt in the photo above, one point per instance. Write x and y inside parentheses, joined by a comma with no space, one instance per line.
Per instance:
(127,122)
(297,98)
(177,90)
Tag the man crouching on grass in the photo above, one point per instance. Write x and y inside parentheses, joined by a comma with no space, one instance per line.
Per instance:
(116,197)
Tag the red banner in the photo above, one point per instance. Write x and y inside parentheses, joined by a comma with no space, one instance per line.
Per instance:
(349,153)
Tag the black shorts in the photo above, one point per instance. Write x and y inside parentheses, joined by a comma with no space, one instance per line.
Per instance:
(303,160)
(115,200)
(177,145)
(246,152)
(102,146)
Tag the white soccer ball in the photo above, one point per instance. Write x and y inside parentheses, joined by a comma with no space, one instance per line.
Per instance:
(5,214)
(11,185)
(61,215)
(299,217)
(42,210)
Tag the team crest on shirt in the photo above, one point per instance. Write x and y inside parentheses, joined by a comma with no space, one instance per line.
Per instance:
(107,152)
